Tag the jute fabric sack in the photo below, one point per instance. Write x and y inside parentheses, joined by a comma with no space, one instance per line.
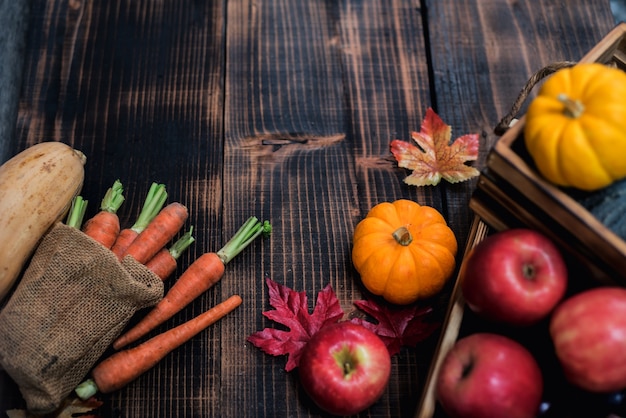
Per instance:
(73,300)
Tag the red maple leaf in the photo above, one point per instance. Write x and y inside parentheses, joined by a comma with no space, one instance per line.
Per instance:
(397,326)
(434,157)
(291,310)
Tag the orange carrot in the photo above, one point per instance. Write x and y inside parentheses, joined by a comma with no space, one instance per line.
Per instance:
(124,238)
(164,263)
(155,199)
(104,226)
(158,233)
(203,273)
(123,367)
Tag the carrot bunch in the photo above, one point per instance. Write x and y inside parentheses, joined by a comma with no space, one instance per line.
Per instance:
(147,242)
(147,238)
(201,275)
(153,203)
(157,233)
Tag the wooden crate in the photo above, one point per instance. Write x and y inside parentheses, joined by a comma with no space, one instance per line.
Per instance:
(566,400)
(451,327)
(510,193)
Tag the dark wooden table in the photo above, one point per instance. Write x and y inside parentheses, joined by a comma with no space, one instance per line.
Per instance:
(284,110)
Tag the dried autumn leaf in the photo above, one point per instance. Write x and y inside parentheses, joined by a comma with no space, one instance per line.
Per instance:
(397,326)
(291,310)
(434,157)
(71,407)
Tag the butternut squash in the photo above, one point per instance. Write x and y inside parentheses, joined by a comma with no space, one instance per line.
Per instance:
(36,190)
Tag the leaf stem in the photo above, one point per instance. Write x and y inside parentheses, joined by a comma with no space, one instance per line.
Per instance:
(113,198)
(248,232)
(155,199)
(182,244)
(86,389)
(77,212)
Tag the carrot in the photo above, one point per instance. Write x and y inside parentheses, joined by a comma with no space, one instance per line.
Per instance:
(164,263)
(155,199)
(76,214)
(203,273)
(124,238)
(104,226)
(123,367)
(158,232)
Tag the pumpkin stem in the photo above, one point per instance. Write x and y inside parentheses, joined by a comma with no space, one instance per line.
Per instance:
(573,108)
(402,236)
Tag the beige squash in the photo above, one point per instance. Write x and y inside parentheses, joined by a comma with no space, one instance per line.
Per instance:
(36,190)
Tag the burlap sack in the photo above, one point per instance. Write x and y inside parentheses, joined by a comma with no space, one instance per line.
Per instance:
(74,299)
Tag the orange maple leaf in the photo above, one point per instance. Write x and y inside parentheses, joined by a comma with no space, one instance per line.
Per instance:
(434,157)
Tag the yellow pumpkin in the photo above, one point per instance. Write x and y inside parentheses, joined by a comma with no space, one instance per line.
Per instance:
(404,251)
(576,127)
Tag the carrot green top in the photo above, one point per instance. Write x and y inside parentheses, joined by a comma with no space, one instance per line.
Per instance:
(113,198)
(155,199)
(77,212)
(248,232)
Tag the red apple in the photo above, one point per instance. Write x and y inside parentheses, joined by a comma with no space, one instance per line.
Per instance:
(489,375)
(589,335)
(516,276)
(345,368)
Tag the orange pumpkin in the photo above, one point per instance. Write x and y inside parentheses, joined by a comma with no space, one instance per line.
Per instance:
(404,251)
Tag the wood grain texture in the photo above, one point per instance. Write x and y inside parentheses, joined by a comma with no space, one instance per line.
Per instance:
(482,54)
(283,110)
(315,173)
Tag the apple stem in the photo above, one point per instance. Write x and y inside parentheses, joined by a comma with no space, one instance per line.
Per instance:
(347,368)
(467,368)
(529,271)
(403,236)
(345,360)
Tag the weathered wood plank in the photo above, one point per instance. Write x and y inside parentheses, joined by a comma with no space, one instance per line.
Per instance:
(283,110)
(387,81)
(482,55)
(484,52)
(386,65)
(287,157)
(353,77)
(138,87)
